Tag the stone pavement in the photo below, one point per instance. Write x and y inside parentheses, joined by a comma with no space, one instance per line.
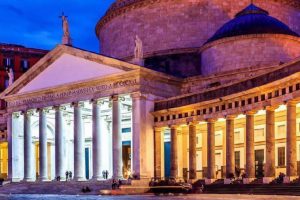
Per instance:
(147,197)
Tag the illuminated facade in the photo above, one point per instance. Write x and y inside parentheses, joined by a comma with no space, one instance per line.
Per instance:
(213,101)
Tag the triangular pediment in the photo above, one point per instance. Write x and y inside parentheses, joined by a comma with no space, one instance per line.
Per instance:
(66,65)
(69,69)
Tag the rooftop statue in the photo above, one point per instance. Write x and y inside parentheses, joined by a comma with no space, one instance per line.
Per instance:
(138,50)
(11,76)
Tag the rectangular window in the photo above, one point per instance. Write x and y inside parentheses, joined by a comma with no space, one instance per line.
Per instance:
(230,105)
(283,91)
(223,107)
(126,130)
(249,101)
(237,159)
(174,116)
(8,62)
(276,93)
(236,104)
(217,108)
(256,99)
(290,89)
(281,156)
(198,112)
(24,65)
(270,95)
(263,97)
(298,86)
(243,102)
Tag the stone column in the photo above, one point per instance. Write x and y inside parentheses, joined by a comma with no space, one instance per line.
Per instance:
(139,152)
(291,149)
(270,145)
(174,155)
(60,168)
(211,172)
(157,152)
(28,148)
(192,151)
(97,174)
(79,161)
(14,151)
(43,145)
(117,138)
(230,165)
(250,159)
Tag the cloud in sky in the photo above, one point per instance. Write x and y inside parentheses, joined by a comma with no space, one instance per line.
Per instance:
(36,23)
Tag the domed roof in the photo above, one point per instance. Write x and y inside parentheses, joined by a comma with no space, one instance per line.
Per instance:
(252,20)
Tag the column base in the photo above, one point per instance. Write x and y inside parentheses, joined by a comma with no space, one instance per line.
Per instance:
(98,178)
(267,180)
(28,180)
(15,180)
(79,179)
(248,180)
(289,179)
(209,181)
(227,181)
(43,179)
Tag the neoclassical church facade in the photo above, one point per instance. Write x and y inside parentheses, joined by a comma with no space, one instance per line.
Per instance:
(216,94)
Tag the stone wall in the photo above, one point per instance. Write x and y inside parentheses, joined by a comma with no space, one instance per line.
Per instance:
(174,24)
(248,51)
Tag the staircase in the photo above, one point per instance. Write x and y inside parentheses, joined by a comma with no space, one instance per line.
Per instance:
(258,189)
(70,188)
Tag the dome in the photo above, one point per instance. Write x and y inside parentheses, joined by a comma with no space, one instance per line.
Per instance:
(252,20)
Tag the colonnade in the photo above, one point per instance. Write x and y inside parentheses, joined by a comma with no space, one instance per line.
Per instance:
(79,141)
(210,175)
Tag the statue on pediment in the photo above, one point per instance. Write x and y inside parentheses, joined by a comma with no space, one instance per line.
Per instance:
(138,50)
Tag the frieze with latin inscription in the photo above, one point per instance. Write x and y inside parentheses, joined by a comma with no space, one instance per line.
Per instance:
(74,92)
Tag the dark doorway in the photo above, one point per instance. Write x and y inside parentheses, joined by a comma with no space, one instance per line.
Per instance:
(167,159)
(87,163)
(126,157)
(259,163)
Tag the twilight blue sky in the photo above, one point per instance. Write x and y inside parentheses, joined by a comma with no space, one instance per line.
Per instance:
(35,23)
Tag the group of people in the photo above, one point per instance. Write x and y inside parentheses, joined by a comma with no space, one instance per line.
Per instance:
(68,175)
(105,174)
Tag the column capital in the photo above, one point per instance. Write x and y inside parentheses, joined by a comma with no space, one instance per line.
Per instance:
(230,117)
(59,108)
(158,129)
(173,126)
(194,123)
(271,108)
(137,95)
(251,112)
(16,115)
(211,120)
(77,104)
(291,103)
(44,110)
(117,97)
(97,101)
(29,112)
